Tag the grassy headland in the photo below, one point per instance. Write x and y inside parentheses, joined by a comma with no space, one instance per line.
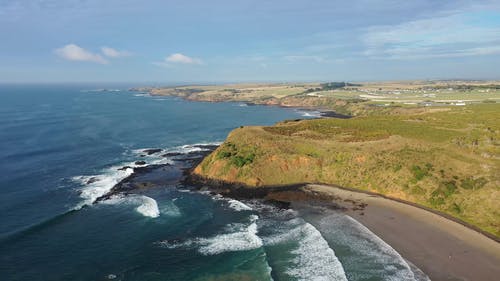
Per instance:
(447,160)
(346,98)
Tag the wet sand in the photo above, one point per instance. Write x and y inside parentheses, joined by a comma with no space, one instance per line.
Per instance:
(442,248)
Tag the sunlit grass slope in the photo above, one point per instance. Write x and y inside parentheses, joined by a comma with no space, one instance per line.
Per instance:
(447,160)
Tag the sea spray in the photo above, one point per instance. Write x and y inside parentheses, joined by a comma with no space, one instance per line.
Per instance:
(367,256)
(312,257)
(239,238)
(96,186)
(146,206)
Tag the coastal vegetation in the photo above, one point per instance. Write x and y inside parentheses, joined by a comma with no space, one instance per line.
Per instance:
(447,158)
(355,99)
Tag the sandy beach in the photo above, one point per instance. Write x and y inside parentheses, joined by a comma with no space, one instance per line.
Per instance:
(442,248)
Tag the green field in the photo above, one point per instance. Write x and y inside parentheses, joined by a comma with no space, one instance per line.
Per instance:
(447,159)
(356,99)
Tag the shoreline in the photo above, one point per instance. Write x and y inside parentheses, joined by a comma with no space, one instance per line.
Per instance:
(241,191)
(324,112)
(443,247)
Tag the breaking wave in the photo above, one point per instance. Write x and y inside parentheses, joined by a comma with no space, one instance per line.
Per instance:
(312,257)
(188,148)
(95,186)
(240,238)
(147,206)
(368,250)
(311,114)
(182,149)
(238,205)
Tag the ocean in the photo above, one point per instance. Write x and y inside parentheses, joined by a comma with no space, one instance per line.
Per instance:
(64,146)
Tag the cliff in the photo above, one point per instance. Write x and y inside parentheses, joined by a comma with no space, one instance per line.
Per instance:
(446,160)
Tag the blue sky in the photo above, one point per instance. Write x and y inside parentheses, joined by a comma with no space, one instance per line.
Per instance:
(240,40)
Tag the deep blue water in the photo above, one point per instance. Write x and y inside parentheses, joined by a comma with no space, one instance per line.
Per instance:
(54,138)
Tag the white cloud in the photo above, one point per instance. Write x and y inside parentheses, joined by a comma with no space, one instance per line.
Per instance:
(73,52)
(180,58)
(177,58)
(445,30)
(447,36)
(113,53)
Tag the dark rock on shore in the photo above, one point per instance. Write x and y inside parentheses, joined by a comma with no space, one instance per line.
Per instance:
(280,196)
(152,151)
(92,180)
(158,175)
(334,114)
(124,168)
(172,154)
(145,177)
(207,149)
(210,147)
(180,173)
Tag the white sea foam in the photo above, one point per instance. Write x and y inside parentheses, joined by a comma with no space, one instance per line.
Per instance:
(417,272)
(160,161)
(241,238)
(314,259)
(193,147)
(314,114)
(183,149)
(231,203)
(170,209)
(96,186)
(142,151)
(367,246)
(238,205)
(147,206)
(237,241)
(277,213)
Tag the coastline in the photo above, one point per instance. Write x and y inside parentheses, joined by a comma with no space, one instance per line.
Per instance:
(325,112)
(444,248)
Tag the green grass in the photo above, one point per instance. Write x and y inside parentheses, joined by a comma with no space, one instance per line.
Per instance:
(237,157)
(366,129)
(447,160)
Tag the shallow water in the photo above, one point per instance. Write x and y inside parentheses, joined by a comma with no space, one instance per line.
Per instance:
(60,149)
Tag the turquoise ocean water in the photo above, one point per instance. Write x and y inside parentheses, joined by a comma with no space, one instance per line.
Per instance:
(55,138)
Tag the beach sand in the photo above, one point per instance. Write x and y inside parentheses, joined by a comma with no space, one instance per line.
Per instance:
(442,248)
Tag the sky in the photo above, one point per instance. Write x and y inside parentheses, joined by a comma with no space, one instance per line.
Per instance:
(247,41)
